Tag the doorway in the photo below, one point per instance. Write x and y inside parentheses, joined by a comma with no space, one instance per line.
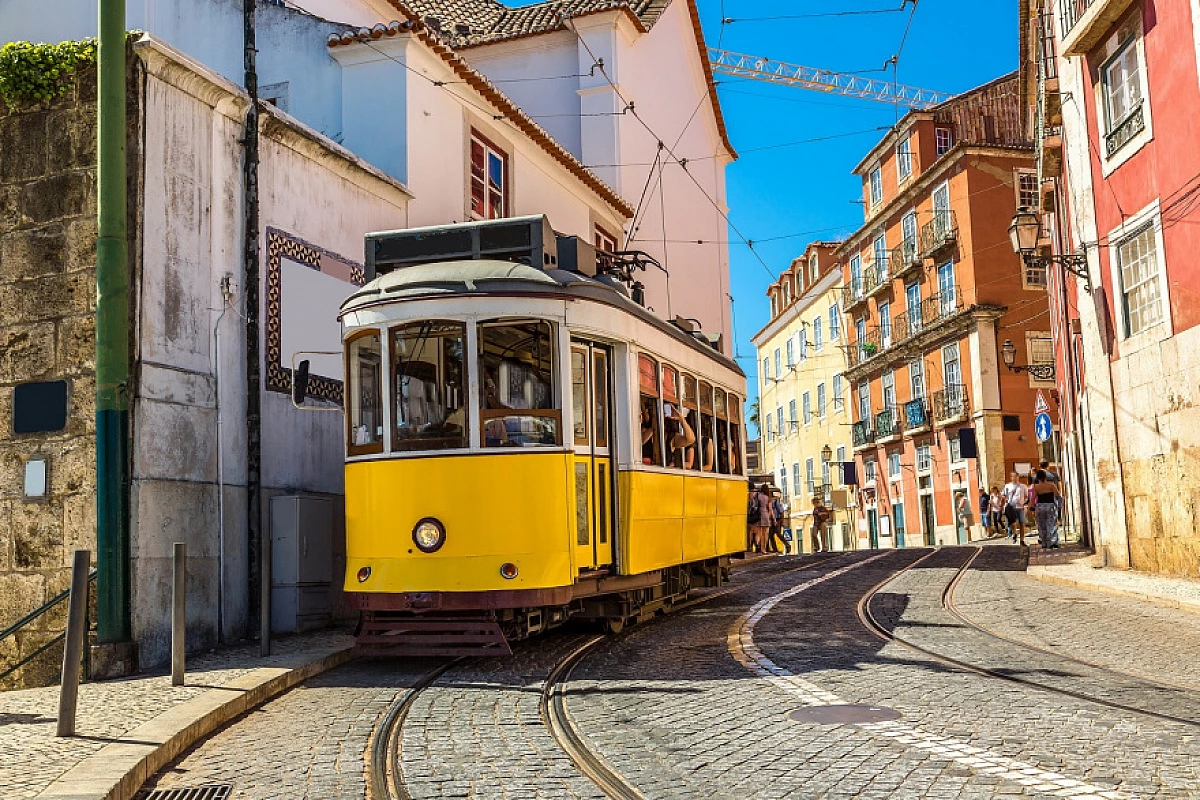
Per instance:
(928,520)
(591,383)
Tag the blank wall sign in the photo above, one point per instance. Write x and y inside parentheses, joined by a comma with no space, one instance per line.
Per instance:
(40,407)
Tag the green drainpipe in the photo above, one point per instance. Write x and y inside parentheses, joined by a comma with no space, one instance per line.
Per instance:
(112,337)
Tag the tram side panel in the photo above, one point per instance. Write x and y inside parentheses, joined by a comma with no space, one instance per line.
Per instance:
(501,509)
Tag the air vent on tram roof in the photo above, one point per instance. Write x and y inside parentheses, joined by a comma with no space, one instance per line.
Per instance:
(524,240)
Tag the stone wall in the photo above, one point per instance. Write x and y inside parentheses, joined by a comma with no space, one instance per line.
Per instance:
(47,299)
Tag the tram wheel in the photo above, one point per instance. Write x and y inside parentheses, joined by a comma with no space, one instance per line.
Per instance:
(612,625)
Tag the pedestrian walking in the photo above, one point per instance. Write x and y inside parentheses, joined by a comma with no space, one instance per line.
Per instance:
(1030,503)
(820,517)
(1045,491)
(1053,476)
(779,509)
(997,506)
(962,516)
(760,515)
(985,503)
(1015,498)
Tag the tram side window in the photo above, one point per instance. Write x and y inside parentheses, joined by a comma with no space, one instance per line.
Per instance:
(430,386)
(679,434)
(364,358)
(648,424)
(691,414)
(722,422)
(516,365)
(707,428)
(735,435)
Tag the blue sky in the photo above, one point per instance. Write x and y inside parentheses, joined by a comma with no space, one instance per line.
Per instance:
(952,45)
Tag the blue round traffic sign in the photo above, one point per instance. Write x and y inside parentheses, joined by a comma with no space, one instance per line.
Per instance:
(1043,427)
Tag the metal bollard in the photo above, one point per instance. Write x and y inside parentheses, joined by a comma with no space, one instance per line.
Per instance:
(68,693)
(179,614)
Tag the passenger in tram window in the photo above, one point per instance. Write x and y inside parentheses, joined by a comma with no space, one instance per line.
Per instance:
(517,366)
(680,436)
(651,452)
(691,417)
(735,436)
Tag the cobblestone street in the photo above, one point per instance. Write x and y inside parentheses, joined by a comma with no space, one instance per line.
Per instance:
(1003,687)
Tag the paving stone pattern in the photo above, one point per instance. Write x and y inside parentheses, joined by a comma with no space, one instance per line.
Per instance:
(1127,634)
(478,731)
(308,744)
(709,728)
(31,756)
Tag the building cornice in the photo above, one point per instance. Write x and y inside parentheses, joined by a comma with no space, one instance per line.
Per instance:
(939,170)
(828,282)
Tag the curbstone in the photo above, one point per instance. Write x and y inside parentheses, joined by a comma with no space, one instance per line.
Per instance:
(118,770)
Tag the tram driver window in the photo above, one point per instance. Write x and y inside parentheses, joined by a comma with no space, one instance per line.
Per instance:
(516,366)
(364,394)
(430,386)
(648,423)
(679,434)
(691,414)
(722,439)
(707,428)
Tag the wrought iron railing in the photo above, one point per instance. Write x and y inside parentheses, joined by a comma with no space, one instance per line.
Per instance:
(1070,13)
(904,256)
(887,423)
(875,275)
(930,312)
(1133,124)
(916,413)
(869,346)
(862,433)
(939,231)
(950,402)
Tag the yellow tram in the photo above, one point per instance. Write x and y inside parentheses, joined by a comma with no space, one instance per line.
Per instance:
(527,443)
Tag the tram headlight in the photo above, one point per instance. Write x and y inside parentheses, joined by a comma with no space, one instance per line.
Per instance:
(508,571)
(429,535)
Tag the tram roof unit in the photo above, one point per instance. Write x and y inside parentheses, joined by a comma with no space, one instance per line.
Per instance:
(510,257)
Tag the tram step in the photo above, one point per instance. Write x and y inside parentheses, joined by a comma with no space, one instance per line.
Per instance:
(389,635)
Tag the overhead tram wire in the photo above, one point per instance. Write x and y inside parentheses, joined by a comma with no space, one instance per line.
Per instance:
(818,15)
(779,146)
(569,23)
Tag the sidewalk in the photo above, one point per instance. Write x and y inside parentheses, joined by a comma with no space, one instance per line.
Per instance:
(1074,566)
(128,729)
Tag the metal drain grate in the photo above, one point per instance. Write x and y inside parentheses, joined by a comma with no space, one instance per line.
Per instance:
(213,791)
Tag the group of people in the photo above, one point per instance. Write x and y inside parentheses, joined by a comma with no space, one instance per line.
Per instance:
(1008,511)
(766,514)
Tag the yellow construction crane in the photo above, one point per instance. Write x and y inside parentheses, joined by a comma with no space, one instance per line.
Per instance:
(757,68)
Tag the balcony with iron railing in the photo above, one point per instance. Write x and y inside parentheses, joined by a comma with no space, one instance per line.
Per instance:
(875,276)
(866,348)
(905,258)
(939,233)
(932,311)
(870,279)
(888,425)
(861,434)
(950,404)
(916,416)
(1085,23)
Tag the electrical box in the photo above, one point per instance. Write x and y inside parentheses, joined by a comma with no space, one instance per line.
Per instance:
(301,563)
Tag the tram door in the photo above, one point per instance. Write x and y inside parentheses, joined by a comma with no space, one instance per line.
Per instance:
(592,434)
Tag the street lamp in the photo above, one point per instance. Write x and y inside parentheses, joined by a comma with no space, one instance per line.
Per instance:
(1024,232)
(1008,352)
(826,453)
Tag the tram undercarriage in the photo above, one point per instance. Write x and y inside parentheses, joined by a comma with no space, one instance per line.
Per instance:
(484,623)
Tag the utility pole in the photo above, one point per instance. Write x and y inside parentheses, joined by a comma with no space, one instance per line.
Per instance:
(259,590)
(112,336)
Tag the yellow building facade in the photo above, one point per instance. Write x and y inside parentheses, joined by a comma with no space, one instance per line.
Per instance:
(804,398)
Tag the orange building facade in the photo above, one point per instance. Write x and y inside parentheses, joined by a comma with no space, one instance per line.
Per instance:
(931,292)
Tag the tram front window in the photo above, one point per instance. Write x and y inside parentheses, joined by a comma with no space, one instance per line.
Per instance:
(430,386)
(364,394)
(516,363)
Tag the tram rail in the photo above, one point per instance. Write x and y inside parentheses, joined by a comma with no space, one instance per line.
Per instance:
(872,624)
(386,777)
